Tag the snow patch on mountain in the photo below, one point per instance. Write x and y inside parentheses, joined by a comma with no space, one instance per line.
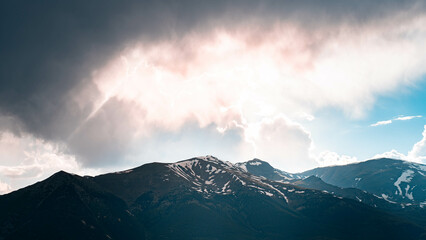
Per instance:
(284,176)
(124,172)
(208,182)
(278,191)
(225,186)
(243,166)
(269,194)
(417,166)
(406,177)
(407,194)
(255,163)
(386,198)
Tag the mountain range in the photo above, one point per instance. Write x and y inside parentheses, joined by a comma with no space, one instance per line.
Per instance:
(206,198)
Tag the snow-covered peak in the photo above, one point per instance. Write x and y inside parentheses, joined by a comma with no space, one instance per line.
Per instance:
(255,163)
(262,168)
(209,176)
(208,158)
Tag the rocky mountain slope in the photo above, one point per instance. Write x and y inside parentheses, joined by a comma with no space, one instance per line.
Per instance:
(393,180)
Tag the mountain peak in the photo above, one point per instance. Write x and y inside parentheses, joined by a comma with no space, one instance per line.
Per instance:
(385,159)
(312,178)
(257,162)
(261,168)
(208,159)
(61,173)
(61,176)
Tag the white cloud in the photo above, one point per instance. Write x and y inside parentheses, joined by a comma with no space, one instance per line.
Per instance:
(394,154)
(283,143)
(379,123)
(328,158)
(5,188)
(305,116)
(278,73)
(405,118)
(26,159)
(401,118)
(416,154)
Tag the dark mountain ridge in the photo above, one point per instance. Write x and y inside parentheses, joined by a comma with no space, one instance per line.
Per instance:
(411,211)
(64,206)
(198,198)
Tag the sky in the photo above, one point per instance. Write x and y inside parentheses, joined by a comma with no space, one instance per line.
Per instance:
(91,87)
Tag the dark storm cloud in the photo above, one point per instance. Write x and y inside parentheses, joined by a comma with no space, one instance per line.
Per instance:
(48,49)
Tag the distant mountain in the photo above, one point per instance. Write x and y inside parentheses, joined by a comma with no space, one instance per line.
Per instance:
(198,198)
(314,182)
(412,212)
(393,180)
(264,169)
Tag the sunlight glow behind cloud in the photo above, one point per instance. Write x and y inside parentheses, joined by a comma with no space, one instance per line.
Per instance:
(238,79)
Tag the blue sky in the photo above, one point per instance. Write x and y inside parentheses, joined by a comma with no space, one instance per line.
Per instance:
(332,129)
